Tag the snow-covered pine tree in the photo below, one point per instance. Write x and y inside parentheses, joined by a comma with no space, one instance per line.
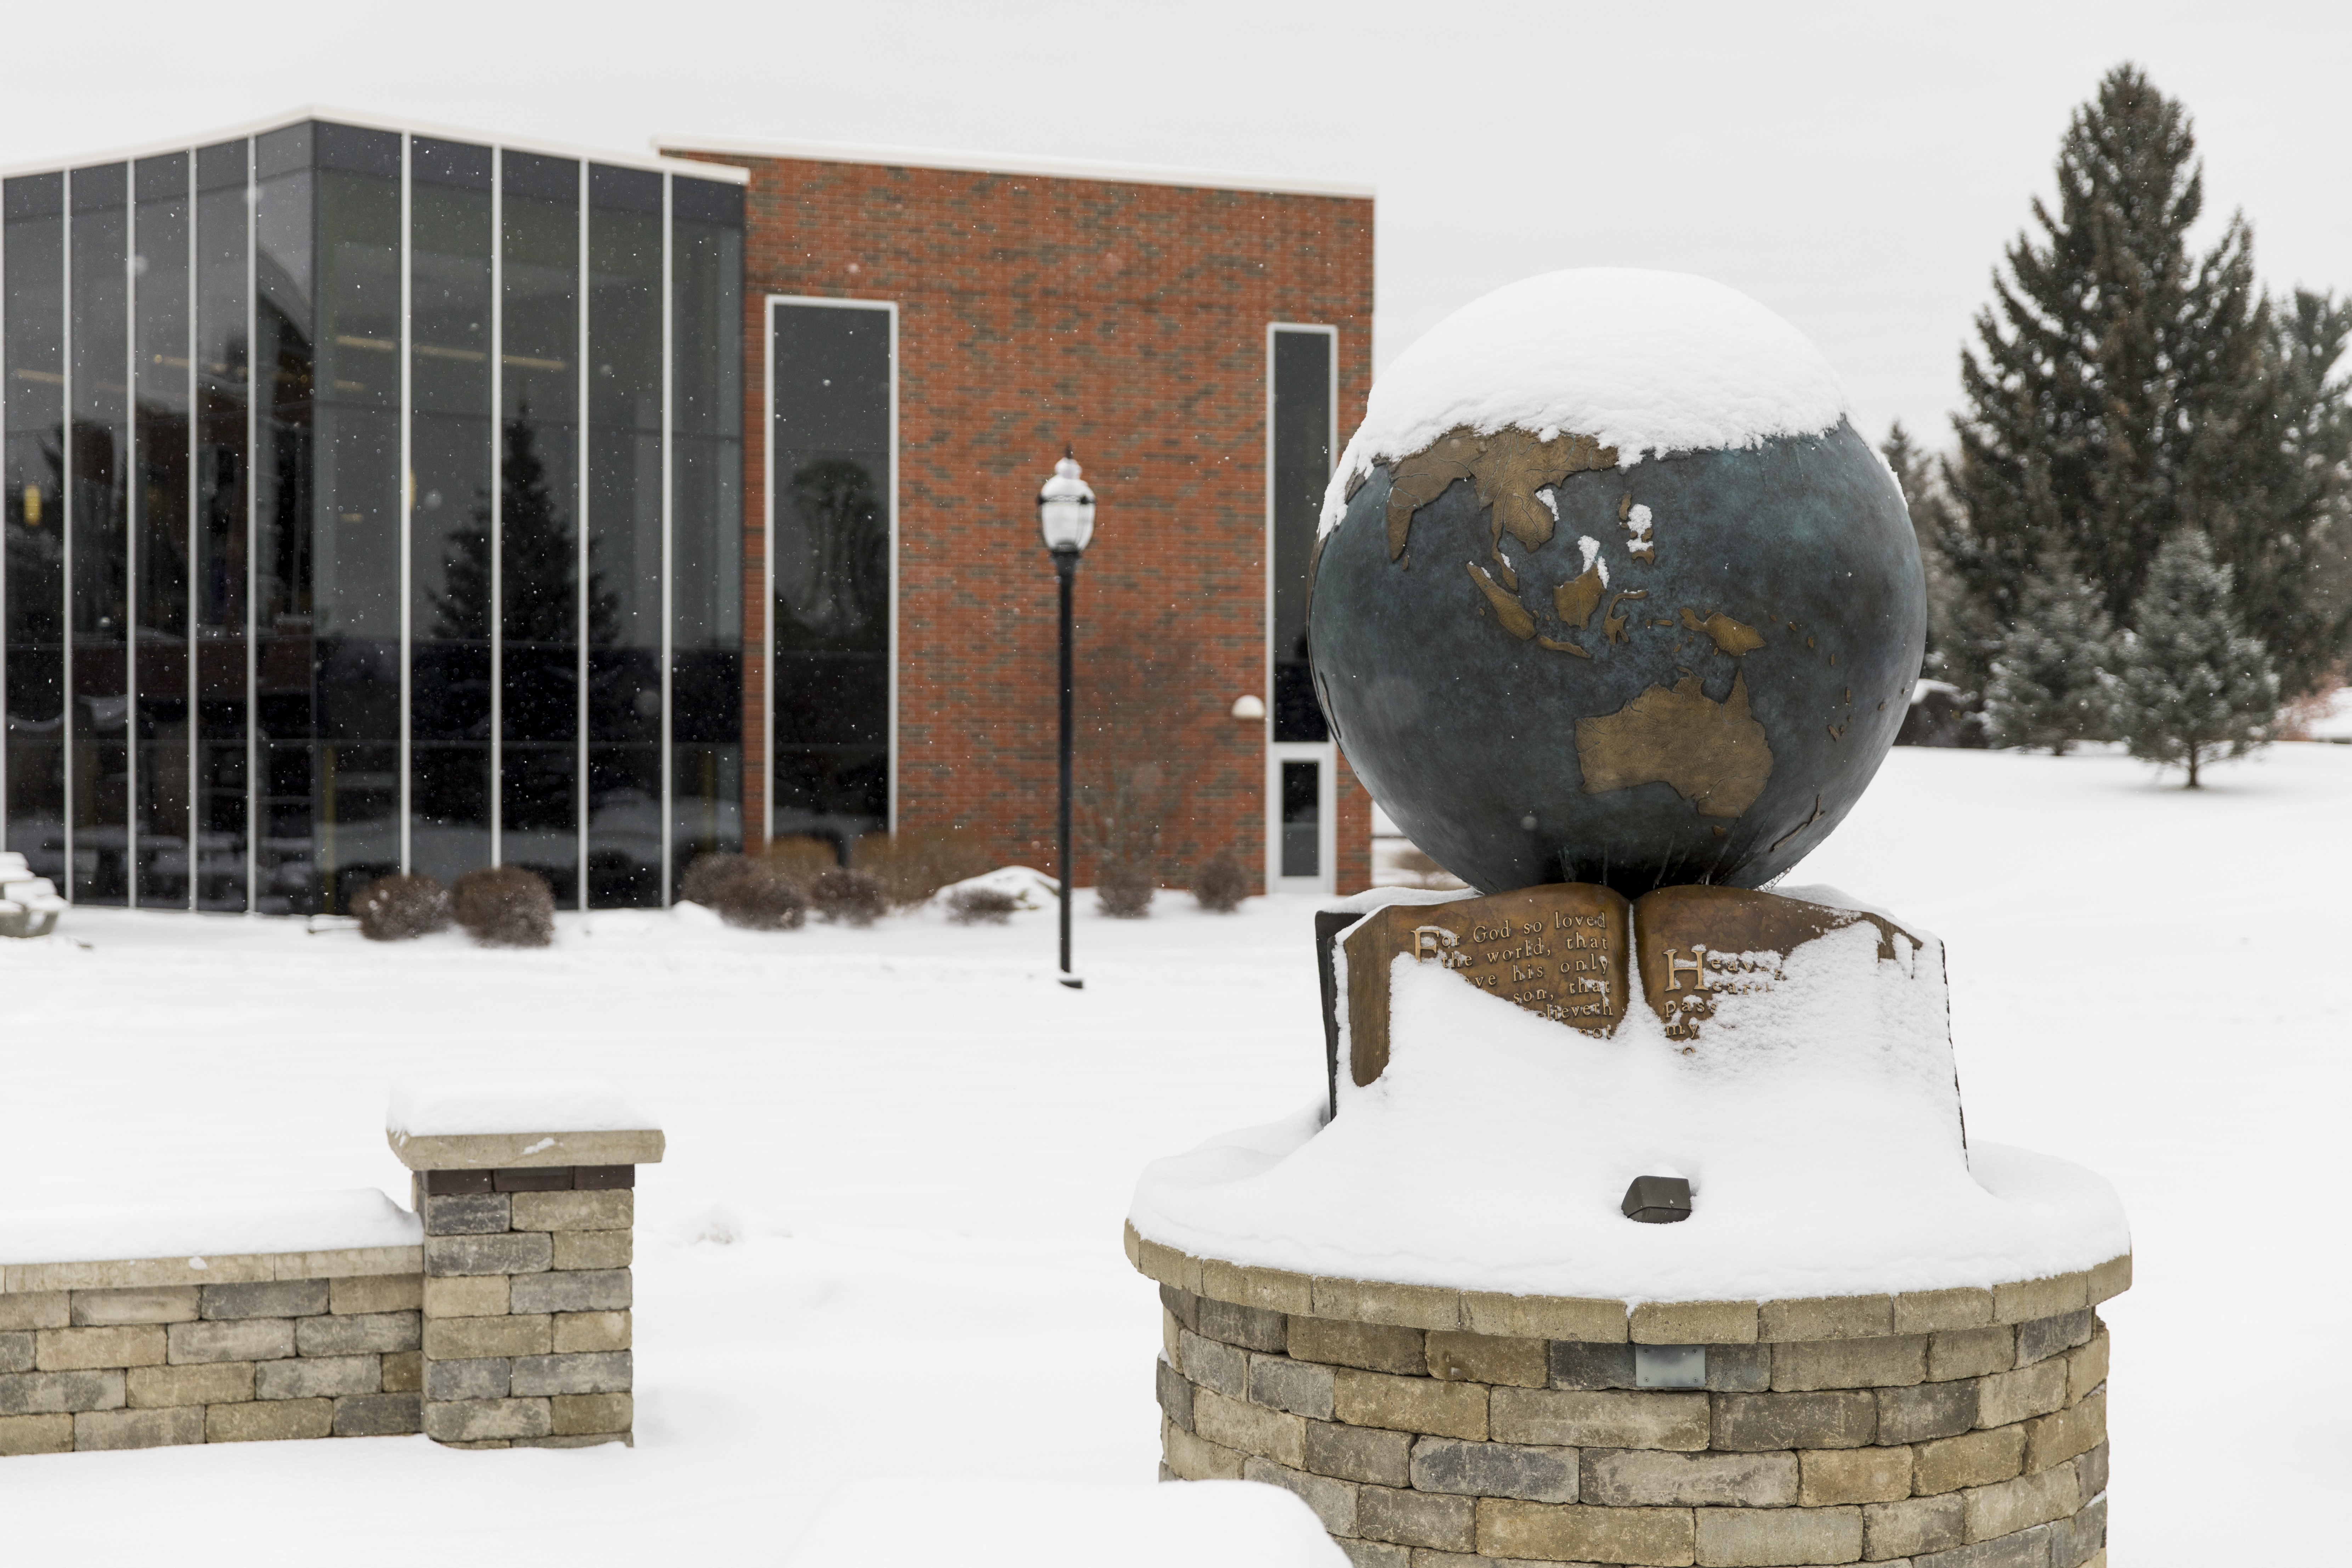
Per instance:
(2196,687)
(1960,635)
(2052,672)
(2122,387)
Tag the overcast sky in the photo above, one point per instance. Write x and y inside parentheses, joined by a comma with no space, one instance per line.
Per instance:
(1856,167)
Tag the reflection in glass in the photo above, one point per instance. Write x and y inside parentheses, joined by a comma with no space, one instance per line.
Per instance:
(285,870)
(160,506)
(99,539)
(706,521)
(204,354)
(450,454)
(538,537)
(830,435)
(32,359)
(223,396)
(355,514)
(1301,463)
(625,536)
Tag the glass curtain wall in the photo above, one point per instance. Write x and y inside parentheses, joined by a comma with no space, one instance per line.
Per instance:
(224,401)
(706,521)
(831,432)
(32,410)
(540,574)
(355,520)
(98,537)
(625,508)
(452,455)
(241,641)
(285,360)
(163,502)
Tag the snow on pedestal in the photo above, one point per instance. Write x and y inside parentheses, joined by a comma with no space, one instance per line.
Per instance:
(1428,1316)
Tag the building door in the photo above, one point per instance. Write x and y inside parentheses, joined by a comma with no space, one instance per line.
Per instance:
(1302,764)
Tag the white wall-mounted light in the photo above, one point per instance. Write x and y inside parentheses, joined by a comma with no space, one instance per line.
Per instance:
(1248,706)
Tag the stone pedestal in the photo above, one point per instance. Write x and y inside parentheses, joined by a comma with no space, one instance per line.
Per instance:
(1560,1384)
(529,1238)
(1437,1428)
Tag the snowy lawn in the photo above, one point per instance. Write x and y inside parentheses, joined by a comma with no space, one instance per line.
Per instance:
(885,1241)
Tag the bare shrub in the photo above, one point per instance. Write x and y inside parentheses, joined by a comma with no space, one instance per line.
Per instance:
(915,863)
(978,906)
(756,895)
(1220,883)
(1124,888)
(401,908)
(505,906)
(802,856)
(847,897)
(707,880)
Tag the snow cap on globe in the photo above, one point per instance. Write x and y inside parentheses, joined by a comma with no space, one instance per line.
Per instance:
(1609,589)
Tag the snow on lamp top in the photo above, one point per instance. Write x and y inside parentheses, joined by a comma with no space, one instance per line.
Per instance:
(1646,362)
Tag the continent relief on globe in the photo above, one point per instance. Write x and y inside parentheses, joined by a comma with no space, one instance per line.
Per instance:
(1561,952)
(1714,754)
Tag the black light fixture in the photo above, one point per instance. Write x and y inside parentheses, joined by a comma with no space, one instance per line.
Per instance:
(1066,517)
(1657,1200)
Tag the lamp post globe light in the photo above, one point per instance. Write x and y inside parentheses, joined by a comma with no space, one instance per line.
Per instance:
(1066,517)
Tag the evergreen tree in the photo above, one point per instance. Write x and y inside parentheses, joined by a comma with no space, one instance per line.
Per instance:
(2050,677)
(538,560)
(2196,687)
(2280,498)
(2123,387)
(1960,634)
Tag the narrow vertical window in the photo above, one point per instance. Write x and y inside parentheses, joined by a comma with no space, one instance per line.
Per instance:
(706,521)
(159,499)
(1302,819)
(356,587)
(32,358)
(625,544)
(831,429)
(224,395)
(1301,391)
(1300,467)
(99,535)
(450,447)
(285,367)
(538,513)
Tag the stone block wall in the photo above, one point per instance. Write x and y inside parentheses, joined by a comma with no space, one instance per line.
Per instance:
(1431,1429)
(140,1355)
(500,1320)
(527,1305)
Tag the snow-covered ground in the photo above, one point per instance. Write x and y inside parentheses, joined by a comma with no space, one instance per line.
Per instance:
(886,1242)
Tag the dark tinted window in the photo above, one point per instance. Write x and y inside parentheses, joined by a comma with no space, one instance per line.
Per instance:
(830,466)
(1300,459)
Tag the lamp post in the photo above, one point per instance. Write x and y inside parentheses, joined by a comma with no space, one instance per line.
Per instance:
(1066,516)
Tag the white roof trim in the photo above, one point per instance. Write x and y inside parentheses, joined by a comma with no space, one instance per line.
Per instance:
(1014,163)
(721,173)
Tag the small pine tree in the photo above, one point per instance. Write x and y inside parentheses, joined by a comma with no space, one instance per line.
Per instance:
(2195,687)
(2051,675)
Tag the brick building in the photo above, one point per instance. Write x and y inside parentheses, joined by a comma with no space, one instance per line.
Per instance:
(1199,341)
(384,498)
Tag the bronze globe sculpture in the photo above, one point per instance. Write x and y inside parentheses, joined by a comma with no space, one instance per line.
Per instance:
(1611,590)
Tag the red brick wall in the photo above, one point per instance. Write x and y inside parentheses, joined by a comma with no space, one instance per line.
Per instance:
(1128,321)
